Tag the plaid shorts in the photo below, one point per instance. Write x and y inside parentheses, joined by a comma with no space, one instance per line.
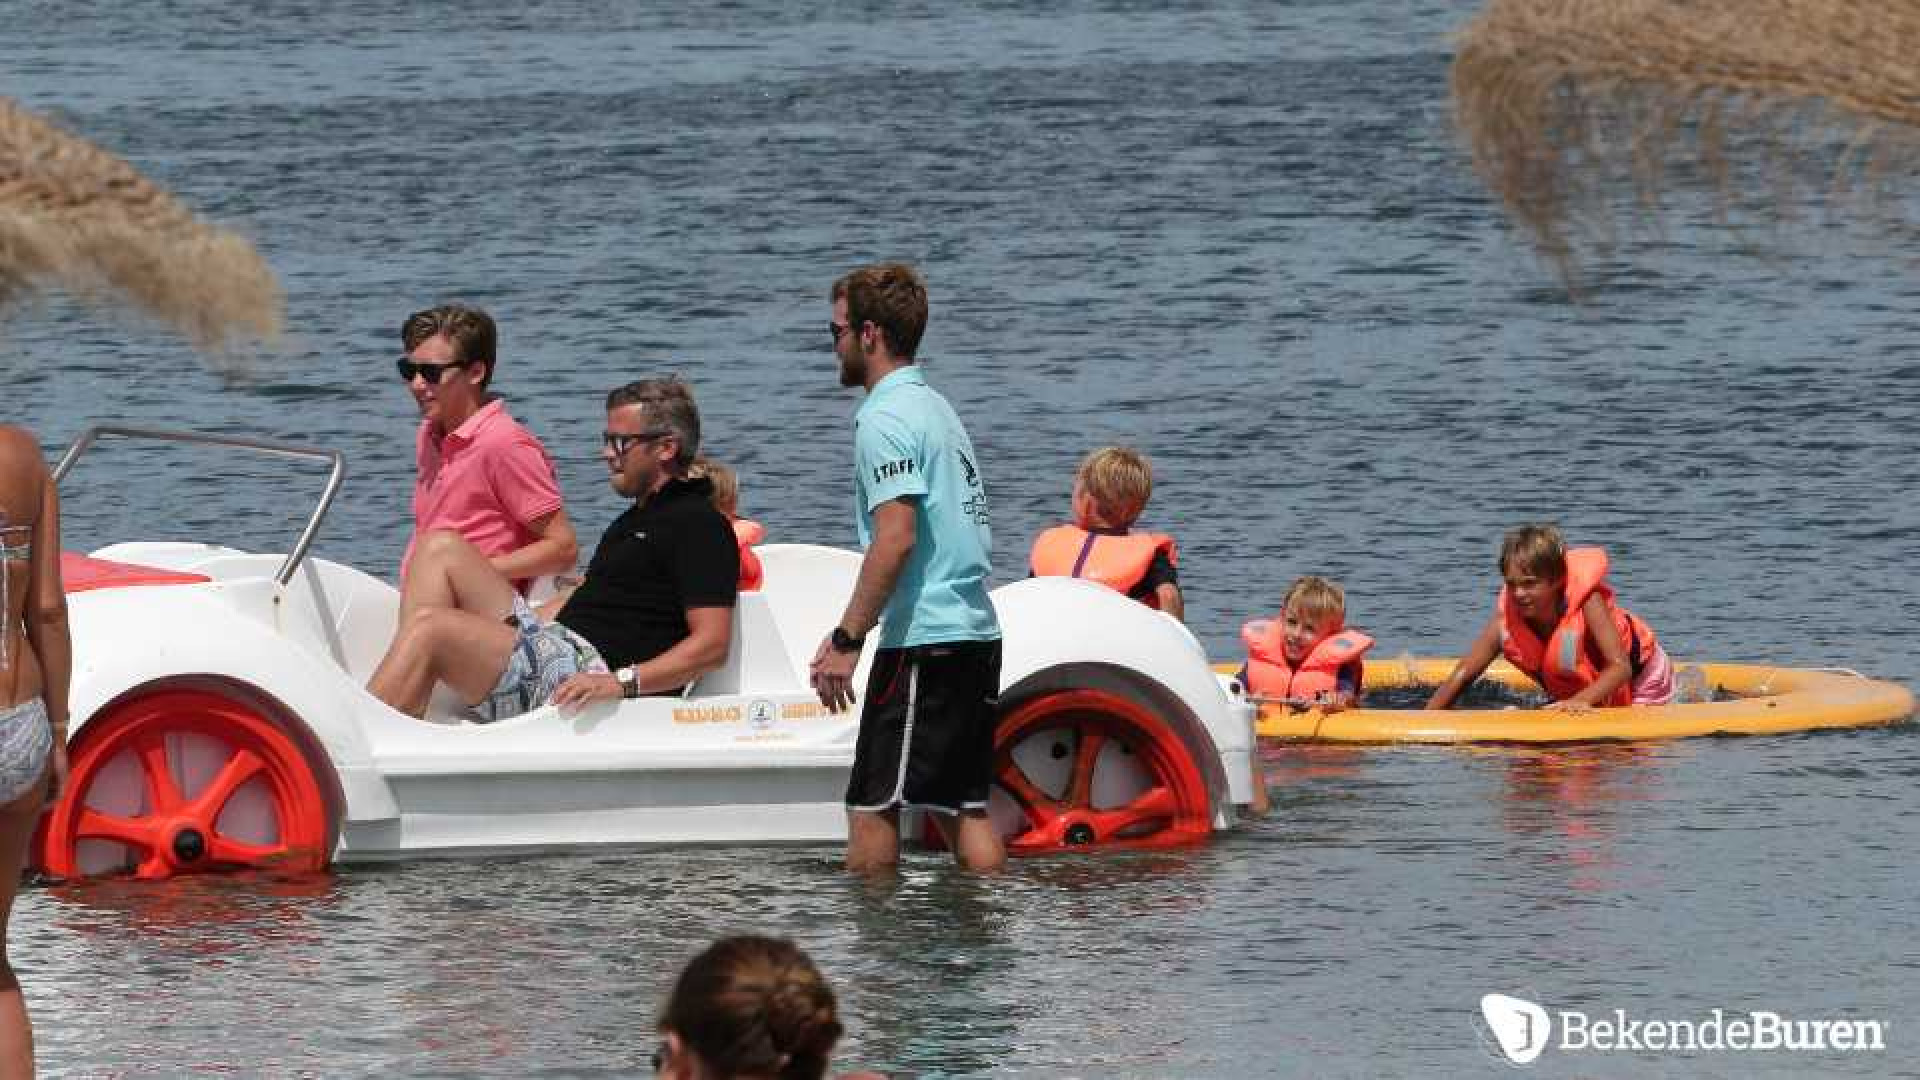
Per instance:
(544,656)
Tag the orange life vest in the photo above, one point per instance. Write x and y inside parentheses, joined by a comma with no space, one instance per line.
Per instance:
(1269,675)
(1118,562)
(748,533)
(1569,661)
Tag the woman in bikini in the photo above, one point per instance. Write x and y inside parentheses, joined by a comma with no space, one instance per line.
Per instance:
(35,662)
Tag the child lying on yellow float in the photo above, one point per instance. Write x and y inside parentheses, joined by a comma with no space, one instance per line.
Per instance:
(1556,620)
(1306,656)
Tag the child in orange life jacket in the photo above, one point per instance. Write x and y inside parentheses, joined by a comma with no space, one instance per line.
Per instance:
(1109,492)
(1307,656)
(726,499)
(1557,621)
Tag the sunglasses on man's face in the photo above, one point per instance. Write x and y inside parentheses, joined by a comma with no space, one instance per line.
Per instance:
(430,372)
(838,331)
(620,444)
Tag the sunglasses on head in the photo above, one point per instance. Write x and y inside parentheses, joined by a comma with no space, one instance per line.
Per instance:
(430,372)
(620,444)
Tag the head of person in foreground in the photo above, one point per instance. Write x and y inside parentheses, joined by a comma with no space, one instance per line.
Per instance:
(747,1008)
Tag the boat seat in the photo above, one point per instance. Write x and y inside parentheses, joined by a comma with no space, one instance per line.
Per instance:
(338,612)
(758,660)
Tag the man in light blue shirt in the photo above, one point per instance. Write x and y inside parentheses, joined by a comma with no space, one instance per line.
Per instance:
(920,505)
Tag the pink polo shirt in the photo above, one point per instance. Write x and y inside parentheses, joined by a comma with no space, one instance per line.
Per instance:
(487,480)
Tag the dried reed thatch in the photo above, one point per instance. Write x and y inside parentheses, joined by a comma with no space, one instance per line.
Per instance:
(75,217)
(1562,101)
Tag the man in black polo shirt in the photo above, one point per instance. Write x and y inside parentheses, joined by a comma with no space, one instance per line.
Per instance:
(654,613)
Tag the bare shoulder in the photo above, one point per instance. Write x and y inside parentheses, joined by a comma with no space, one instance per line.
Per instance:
(18,446)
(21,467)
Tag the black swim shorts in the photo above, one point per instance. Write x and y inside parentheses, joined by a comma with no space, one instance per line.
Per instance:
(926,731)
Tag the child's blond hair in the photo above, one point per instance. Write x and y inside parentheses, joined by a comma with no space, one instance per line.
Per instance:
(726,485)
(1539,550)
(1316,599)
(1119,481)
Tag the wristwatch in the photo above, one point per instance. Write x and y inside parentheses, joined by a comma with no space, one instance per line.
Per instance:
(629,677)
(844,642)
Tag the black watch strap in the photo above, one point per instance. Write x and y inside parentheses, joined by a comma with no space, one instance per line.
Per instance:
(846,643)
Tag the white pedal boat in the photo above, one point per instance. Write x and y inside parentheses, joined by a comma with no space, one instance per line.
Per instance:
(220,720)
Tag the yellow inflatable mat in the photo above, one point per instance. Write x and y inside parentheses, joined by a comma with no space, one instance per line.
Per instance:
(1750,700)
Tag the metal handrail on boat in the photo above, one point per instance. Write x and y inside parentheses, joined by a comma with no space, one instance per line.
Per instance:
(269,447)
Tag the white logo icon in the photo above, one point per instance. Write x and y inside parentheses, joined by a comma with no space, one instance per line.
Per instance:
(1521,1027)
(760,714)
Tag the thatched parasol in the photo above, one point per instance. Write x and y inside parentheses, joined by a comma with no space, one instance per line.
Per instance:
(75,217)
(1562,100)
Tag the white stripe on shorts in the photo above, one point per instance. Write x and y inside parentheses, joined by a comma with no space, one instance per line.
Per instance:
(898,799)
(906,737)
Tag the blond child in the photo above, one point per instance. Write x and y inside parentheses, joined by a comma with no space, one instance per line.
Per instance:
(726,499)
(1109,493)
(1556,620)
(1307,656)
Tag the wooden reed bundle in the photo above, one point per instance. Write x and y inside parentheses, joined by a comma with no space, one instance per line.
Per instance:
(75,217)
(1561,100)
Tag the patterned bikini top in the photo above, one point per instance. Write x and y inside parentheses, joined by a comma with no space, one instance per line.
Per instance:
(16,543)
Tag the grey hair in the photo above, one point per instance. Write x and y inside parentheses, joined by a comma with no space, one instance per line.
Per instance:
(669,406)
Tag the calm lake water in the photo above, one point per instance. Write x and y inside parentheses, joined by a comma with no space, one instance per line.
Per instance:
(1241,237)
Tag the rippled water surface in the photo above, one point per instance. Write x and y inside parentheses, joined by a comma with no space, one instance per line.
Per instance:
(1240,237)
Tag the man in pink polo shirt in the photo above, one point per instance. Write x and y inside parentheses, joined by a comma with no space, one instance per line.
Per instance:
(483,477)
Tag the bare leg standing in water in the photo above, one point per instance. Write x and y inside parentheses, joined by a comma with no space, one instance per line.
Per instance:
(35,667)
(17,820)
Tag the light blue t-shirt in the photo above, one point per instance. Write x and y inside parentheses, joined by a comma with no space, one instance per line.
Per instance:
(909,443)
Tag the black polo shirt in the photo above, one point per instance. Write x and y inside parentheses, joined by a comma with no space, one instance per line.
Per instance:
(663,556)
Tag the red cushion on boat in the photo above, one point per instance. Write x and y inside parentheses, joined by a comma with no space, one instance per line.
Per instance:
(81,573)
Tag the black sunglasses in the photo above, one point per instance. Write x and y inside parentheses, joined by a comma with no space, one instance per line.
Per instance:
(838,331)
(620,444)
(429,372)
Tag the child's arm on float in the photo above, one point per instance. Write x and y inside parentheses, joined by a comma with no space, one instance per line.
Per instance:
(1346,688)
(1606,637)
(1479,655)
